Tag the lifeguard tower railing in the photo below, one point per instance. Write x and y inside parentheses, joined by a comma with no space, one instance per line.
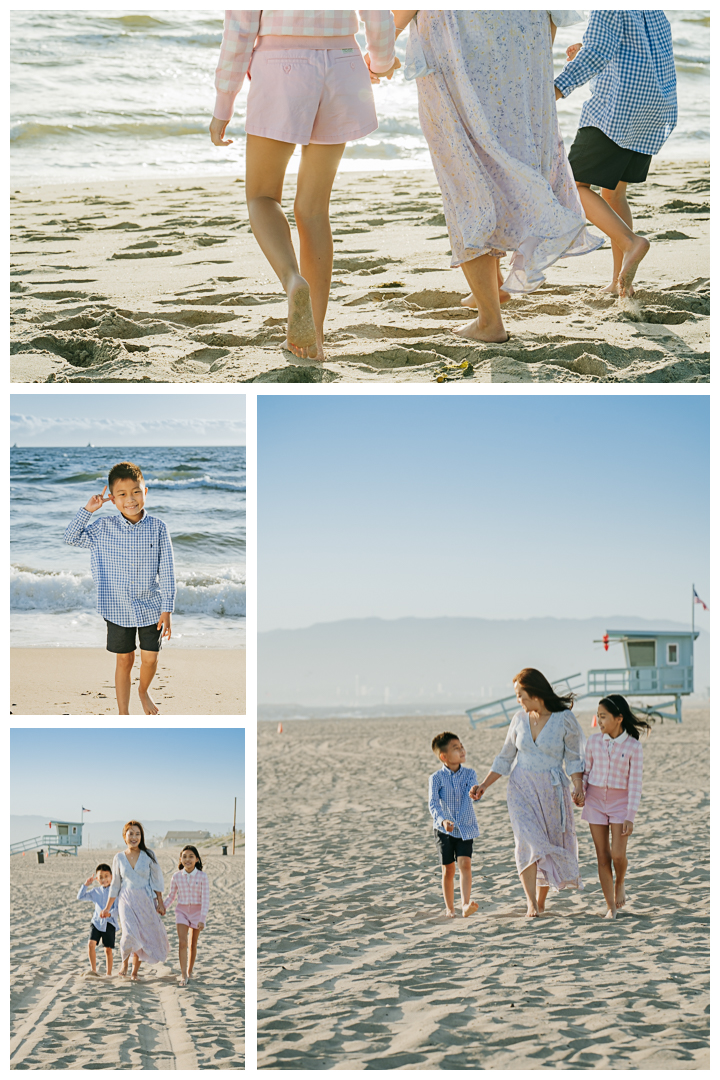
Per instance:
(640,680)
(503,709)
(60,845)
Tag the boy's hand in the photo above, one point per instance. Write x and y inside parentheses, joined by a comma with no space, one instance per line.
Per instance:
(89,881)
(573,50)
(104,914)
(448,826)
(96,501)
(558,93)
(627,828)
(164,625)
(475,792)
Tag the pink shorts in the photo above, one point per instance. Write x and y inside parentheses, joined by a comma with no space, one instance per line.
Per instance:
(310,95)
(188,915)
(605,805)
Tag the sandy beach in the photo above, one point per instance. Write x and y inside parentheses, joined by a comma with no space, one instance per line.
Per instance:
(157,281)
(80,682)
(359,970)
(61,1018)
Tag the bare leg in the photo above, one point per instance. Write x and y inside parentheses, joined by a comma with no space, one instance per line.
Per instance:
(109,961)
(91,956)
(316,175)
(601,839)
(124,965)
(135,967)
(617,200)
(265,164)
(182,932)
(529,884)
(634,248)
(448,888)
(470,301)
(123,676)
(194,935)
(148,667)
(469,907)
(482,277)
(619,858)
(542,891)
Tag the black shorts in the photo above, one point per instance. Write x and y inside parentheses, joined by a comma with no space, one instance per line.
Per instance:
(122,638)
(596,159)
(107,936)
(452,848)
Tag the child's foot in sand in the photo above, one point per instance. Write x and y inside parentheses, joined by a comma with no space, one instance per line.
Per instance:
(631,260)
(620,896)
(492,335)
(149,706)
(612,914)
(470,909)
(319,359)
(449,914)
(541,905)
(301,336)
(183,982)
(532,912)
(89,974)
(613,289)
(469,301)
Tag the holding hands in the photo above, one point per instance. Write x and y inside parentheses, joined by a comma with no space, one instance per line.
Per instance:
(448,826)
(96,501)
(573,50)
(578,796)
(376,76)
(476,792)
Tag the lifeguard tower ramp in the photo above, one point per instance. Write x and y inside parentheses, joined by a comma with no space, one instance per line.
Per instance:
(65,841)
(658,664)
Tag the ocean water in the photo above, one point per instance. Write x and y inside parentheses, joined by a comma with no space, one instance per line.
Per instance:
(121,94)
(198,491)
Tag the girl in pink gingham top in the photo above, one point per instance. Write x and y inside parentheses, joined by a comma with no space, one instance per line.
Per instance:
(191,889)
(612,787)
(309,84)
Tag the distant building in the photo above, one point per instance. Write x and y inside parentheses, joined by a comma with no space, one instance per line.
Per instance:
(172,839)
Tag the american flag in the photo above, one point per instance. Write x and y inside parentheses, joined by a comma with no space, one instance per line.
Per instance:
(86,811)
(697,600)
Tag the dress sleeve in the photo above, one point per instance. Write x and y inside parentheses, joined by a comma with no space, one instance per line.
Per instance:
(573,744)
(116,878)
(503,763)
(565,18)
(156,877)
(239,34)
(635,782)
(205,901)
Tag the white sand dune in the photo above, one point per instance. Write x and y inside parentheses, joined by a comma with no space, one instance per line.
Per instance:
(359,970)
(61,1018)
(162,281)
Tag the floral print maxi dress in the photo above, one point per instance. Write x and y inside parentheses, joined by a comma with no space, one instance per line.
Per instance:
(538,796)
(488,113)
(142,930)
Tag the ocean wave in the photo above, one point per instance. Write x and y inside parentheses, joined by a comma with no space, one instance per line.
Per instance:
(219,593)
(199,481)
(29,131)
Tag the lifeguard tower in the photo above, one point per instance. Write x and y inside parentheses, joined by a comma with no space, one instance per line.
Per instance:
(658,664)
(65,841)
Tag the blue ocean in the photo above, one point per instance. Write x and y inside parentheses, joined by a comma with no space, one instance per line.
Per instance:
(109,95)
(198,491)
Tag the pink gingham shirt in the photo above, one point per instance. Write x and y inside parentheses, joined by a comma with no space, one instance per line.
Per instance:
(615,763)
(190,889)
(243,27)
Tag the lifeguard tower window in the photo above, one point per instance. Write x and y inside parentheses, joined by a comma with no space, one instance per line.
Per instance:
(641,653)
(672,654)
(62,830)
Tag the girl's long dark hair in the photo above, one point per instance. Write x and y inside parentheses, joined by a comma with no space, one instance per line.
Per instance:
(196,853)
(534,683)
(616,705)
(142,838)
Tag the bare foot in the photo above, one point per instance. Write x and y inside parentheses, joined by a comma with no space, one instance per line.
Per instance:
(613,289)
(149,706)
(470,909)
(469,301)
(91,973)
(122,972)
(631,261)
(319,358)
(492,335)
(620,896)
(612,914)
(301,336)
(183,982)
(541,905)
(532,912)
(449,913)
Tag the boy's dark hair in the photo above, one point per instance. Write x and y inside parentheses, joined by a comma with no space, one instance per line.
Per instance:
(196,853)
(103,866)
(124,470)
(441,742)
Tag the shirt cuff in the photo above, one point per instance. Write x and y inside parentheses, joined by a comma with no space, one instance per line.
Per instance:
(564,83)
(168,604)
(224,104)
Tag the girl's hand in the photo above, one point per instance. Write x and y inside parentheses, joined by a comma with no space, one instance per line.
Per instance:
(376,76)
(160,909)
(627,828)
(96,501)
(201,926)
(573,50)
(217,132)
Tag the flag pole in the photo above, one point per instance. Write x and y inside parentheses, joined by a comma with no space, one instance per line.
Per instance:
(234,819)
(692,604)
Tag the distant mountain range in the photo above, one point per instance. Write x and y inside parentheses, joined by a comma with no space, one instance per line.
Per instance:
(102,833)
(377,665)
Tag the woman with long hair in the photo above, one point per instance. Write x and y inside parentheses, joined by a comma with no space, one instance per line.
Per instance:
(137,883)
(542,735)
(612,786)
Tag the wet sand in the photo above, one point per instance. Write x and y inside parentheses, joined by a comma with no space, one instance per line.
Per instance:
(157,281)
(358,969)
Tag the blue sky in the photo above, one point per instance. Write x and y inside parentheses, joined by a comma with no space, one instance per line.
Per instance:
(139,419)
(511,506)
(154,773)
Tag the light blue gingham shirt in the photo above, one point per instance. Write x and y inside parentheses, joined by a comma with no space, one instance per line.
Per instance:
(634,99)
(99,898)
(449,801)
(132,565)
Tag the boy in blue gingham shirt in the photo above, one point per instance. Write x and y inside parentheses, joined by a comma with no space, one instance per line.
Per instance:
(450,790)
(132,567)
(632,112)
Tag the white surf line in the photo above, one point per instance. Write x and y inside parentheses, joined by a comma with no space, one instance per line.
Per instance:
(35,1026)
(181,1042)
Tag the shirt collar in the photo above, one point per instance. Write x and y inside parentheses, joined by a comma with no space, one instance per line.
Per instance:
(192,872)
(131,524)
(451,771)
(618,740)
